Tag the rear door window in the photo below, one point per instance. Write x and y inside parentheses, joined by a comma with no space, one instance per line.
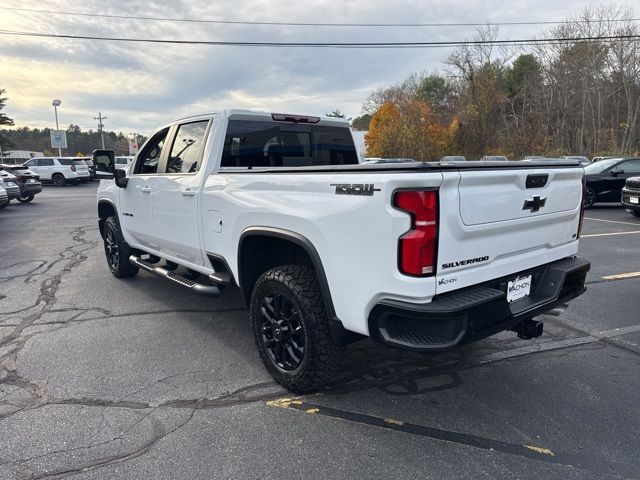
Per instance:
(45,162)
(280,144)
(66,161)
(188,145)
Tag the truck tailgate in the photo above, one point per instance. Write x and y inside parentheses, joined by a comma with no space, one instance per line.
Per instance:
(495,222)
(497,196)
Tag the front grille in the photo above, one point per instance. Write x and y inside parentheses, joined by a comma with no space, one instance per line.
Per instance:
(633,184)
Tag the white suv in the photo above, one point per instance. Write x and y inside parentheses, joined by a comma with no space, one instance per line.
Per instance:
(60,170)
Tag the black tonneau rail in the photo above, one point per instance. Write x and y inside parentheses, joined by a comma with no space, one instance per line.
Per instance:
(410,167)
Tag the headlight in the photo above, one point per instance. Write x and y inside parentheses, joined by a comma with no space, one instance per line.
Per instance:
(11,184)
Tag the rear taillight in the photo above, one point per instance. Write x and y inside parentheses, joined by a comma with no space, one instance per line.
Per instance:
(584,187)
(417,249)
(73,168)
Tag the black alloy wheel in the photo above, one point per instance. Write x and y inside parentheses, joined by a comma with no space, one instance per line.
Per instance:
(589,197)
(58,180)
(282,331)
(25,197)
(117,251)
(111,248)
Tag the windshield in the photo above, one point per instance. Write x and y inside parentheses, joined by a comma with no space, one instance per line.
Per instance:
(601,166)
(280,144)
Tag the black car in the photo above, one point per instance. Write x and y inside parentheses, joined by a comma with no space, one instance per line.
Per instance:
(92,167)
(28,181)
(604,180)
(631,196)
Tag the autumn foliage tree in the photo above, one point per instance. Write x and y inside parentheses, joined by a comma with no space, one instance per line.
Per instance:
(409,128)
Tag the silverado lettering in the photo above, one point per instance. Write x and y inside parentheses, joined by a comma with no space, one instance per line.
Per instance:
(465,262)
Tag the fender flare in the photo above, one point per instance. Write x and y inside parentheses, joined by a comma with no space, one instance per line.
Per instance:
(115,209)
(338,332)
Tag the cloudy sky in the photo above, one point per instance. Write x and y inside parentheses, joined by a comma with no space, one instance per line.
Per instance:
(139,86)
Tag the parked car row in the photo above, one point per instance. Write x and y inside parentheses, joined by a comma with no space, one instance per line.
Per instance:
(63,170)
(17,181)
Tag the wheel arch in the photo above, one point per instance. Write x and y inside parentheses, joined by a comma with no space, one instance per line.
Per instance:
(106,208)
(282,245)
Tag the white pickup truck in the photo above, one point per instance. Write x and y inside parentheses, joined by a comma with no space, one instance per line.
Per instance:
(418,255)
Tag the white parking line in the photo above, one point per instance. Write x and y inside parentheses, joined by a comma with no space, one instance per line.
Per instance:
(611,221)
(608,234)
(620,276)
(617,331)
(592,337)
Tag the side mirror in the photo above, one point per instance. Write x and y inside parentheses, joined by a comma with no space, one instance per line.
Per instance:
(121,178)
(615,173)
(105,163)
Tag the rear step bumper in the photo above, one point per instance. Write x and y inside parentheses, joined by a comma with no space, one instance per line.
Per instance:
(210,290)
(464,316)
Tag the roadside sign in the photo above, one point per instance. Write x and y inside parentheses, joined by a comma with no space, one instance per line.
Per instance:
(133,146)
(58,139)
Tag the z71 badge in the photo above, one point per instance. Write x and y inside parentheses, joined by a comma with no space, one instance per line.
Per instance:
(366,189)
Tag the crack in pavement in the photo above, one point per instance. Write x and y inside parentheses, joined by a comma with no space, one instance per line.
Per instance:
(72,256)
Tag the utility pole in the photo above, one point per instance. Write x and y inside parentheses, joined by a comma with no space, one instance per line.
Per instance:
(100,118)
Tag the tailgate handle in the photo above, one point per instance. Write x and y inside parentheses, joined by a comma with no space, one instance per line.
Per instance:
(537,180)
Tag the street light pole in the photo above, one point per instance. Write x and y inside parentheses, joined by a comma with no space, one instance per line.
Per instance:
(56,104)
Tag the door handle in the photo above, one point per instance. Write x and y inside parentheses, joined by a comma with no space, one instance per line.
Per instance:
(188,192)
(145,190)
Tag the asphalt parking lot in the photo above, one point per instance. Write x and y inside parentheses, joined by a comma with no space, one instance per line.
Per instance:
(138,378)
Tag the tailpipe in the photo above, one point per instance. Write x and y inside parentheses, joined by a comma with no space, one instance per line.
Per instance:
(529,329)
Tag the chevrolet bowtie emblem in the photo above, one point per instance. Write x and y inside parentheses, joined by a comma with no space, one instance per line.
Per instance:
(535,204)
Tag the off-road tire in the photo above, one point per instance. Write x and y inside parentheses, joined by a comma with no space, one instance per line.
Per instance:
(322,357)
(635,213)
(58,180)
(120,268)
(4,205)
(26,198)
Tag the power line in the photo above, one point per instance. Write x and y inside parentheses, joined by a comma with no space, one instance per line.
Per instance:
(304,24)
(455,43)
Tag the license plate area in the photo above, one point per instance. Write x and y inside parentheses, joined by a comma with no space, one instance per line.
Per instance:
(635,200)
(518,288)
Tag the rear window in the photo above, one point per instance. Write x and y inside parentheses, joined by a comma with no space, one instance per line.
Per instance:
(275,144)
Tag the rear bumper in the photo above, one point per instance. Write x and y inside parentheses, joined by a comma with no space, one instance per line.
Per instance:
(30,188)
(626,199)
(464,316)
(13,192)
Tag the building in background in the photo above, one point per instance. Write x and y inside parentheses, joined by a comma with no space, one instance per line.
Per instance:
(15,157)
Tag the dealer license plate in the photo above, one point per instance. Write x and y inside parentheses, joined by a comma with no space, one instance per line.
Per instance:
(634,200)
(518,288)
